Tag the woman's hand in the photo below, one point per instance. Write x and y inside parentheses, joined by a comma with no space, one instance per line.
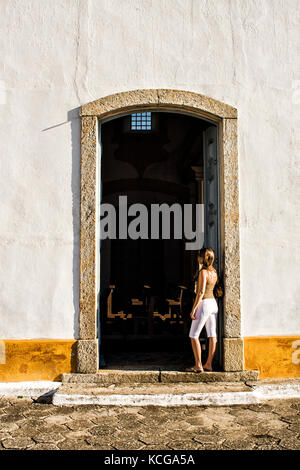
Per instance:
(193,314)
(194,310)
(200,292)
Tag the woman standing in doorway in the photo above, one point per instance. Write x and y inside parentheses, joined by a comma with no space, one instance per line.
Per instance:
(204,311)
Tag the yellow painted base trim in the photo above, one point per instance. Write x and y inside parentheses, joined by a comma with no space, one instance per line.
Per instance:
(274,356)
(47,359)
(36,359)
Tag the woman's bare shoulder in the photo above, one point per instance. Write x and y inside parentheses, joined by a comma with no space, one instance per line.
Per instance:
(203,271)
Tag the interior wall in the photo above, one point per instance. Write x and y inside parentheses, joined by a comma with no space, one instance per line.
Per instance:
(159,163)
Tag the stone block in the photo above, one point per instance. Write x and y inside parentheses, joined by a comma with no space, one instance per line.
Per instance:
(87,356)
(233,354)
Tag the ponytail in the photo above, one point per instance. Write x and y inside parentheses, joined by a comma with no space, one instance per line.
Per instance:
(208,256)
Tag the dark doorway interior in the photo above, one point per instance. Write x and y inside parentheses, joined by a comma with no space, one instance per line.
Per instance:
(147,286)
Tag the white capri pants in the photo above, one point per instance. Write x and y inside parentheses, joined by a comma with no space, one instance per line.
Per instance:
(206,314)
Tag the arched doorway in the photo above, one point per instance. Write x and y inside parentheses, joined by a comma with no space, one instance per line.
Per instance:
(223,119)
(156,159)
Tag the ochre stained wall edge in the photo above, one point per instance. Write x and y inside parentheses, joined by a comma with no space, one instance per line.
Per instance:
(273,356)
(36,359)
(47,359)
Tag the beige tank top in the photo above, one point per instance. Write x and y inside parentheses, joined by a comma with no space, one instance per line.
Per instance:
(211,280)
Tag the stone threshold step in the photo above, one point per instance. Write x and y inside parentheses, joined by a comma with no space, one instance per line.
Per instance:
(33,389)
(109,377)
(177,394)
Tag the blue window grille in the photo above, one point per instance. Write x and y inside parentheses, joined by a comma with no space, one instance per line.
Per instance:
(141,121)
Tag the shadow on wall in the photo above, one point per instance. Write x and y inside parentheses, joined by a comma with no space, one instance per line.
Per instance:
(73,365)
(74,119)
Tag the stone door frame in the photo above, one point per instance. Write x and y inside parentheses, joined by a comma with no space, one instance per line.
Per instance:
(225,117)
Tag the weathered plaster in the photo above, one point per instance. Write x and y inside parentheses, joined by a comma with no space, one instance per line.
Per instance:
(38,359)
(274,357)
(245,53)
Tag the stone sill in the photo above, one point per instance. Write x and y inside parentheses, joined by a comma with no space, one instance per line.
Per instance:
(109,377)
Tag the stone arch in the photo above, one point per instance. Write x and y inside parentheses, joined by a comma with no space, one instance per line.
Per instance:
(225,117)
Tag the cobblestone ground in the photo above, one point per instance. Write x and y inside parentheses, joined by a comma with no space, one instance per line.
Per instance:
(25,424)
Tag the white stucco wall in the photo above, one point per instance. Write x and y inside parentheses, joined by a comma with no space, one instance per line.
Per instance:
(57,55)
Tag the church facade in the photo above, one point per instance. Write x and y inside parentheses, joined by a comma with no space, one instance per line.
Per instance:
(188,102)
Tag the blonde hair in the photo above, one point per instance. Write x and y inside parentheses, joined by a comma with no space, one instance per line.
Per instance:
(208,256)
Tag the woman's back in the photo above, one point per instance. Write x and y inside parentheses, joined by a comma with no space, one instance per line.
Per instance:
(211,280)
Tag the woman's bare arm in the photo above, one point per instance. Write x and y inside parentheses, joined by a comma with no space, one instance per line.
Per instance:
(200,290)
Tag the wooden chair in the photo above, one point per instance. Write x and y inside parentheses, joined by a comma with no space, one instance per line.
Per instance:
(141,301)
(109,311)
(176,317)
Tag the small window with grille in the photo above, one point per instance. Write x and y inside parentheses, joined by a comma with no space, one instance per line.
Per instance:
(141,121)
